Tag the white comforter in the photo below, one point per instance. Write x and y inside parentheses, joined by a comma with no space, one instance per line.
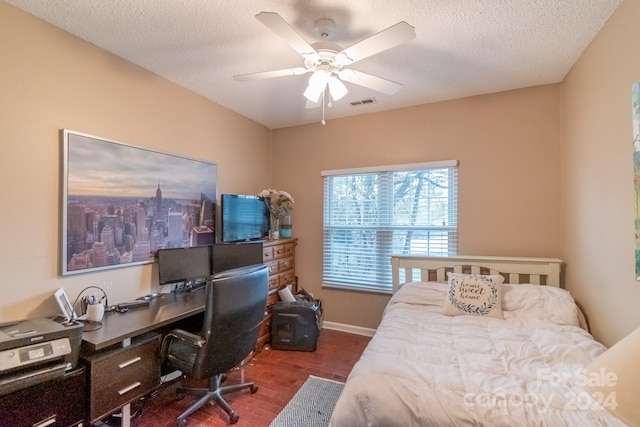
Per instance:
(423,368)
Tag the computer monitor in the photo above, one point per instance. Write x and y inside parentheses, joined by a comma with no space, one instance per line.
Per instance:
(190,266)
(227,256)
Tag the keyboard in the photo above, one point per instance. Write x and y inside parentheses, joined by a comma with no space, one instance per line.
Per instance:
(133,304)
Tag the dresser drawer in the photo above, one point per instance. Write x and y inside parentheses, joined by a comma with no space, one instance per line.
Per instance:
(272,298)
(267,254)
(262,340)
(286,264)
(279,251)
(272,266)
(273,281)
(289,249)
(279,257)
(265,329)
(120,375)
(287,278)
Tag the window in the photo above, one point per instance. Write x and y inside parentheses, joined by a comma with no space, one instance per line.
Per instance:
(372,213)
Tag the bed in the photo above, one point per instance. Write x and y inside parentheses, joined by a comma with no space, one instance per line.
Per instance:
(523,366)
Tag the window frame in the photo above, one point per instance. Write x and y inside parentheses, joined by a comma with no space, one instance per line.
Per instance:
(382,257)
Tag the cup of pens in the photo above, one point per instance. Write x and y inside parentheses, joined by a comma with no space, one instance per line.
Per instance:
(95,309)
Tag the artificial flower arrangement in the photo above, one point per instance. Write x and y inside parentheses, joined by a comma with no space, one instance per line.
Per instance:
(281,202)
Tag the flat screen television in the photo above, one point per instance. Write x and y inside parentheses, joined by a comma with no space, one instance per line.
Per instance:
(190,266)
(243,217)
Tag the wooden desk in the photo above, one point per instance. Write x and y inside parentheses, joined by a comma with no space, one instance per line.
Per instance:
(122,358)
(162,311)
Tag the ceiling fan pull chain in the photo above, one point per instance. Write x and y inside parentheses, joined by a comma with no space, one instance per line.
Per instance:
(323,92)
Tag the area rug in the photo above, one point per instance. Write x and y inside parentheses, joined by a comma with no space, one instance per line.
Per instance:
(312,405)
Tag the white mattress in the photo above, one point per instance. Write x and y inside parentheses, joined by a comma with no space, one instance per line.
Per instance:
(423,368)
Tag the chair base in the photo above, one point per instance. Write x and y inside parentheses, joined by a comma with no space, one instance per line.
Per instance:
(212,395)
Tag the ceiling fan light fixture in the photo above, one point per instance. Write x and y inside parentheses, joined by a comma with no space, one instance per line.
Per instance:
(312,94)
(337,88)
(342,59)
(325,60)
(346,75)
(317,84)
(319,79)
(311,59)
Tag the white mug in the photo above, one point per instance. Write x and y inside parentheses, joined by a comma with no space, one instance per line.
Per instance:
(95,312)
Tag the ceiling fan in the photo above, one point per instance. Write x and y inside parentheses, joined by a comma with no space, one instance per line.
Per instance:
(327,61)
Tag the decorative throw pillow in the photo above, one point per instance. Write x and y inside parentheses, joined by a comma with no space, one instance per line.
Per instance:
(475,294)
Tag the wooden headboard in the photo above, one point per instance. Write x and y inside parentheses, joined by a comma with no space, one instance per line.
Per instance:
(539,271)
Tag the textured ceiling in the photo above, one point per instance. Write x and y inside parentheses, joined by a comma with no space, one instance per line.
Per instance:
(462,47)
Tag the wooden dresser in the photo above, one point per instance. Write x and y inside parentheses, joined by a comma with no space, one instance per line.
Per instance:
(280,257)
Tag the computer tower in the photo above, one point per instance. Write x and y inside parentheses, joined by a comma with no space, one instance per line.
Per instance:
(296,325)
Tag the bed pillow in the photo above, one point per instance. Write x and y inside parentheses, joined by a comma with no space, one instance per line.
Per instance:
(528,302)
(475,294)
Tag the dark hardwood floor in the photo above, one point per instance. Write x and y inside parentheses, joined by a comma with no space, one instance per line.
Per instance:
(278,374)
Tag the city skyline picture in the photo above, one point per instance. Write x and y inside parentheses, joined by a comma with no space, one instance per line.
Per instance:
(121,203)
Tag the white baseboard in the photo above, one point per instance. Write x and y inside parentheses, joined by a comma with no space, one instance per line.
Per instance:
(358,330)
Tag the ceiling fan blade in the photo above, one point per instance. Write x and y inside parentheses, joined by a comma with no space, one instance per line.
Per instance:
(372,82)
(270,74)
(275,23)
(385,39)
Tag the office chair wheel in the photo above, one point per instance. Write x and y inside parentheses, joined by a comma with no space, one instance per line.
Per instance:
(253,389)
(181,423)
(233,418)
(180,394)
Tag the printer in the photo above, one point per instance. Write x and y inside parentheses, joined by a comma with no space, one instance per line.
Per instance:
(37,350)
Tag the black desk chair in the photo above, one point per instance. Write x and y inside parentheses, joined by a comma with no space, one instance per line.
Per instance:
(234,311)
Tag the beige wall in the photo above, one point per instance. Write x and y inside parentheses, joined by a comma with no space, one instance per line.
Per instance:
(50,80)
(597,178)
(509,199)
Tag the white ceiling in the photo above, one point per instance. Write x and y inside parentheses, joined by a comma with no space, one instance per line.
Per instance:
(462,47)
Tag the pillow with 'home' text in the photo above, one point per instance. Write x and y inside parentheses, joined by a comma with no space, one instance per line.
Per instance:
(474,294)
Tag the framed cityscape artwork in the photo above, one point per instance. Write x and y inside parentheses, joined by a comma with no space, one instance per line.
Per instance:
(121,203)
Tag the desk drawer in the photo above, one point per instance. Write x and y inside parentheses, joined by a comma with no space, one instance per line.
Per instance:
(121,375)
(54,403)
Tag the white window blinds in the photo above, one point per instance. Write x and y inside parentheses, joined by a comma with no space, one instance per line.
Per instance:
(372,213)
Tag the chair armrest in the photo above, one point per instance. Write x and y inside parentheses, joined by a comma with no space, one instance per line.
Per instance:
(182,335)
